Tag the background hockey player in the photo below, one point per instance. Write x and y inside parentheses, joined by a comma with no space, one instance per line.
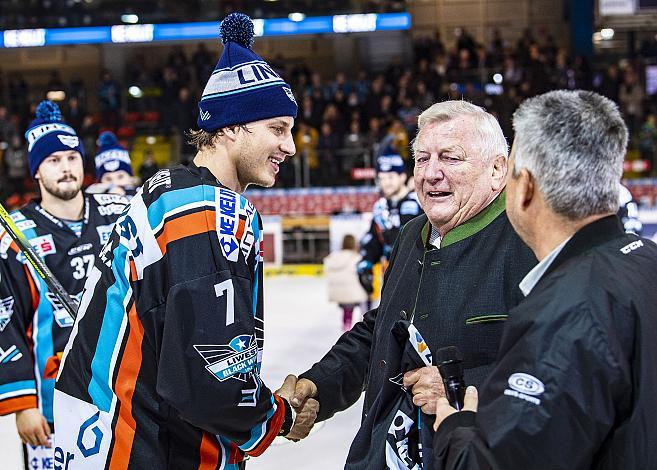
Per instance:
(164,368)
(67,228)
(397,206)
(114,173)
(628,211)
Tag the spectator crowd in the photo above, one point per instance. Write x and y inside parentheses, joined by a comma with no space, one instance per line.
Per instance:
(344,120)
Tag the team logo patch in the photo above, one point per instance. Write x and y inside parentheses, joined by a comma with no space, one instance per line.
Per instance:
(409,208)
(69,140)
(62,316)
(235,360)
(17,216)
(104,232)
(76,250)
(420,345)
(104,199)
(205,115)
(111,209)
(5,242)
(245,227)
(235,219)
(161,178)
(526,387)
(289,94)
(635,245)
(12,354)
(44,245)
(6,311)
(112,165)
(25,225)
(526,383)
(227,222)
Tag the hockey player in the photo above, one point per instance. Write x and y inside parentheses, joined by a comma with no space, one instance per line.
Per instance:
(163,368)
(628,212)
(67,228)
(397,206)
(114,173)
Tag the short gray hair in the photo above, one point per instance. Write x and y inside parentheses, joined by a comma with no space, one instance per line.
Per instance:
(573,143)
(488,133)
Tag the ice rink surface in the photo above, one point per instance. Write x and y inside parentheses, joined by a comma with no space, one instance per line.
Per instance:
(300,326)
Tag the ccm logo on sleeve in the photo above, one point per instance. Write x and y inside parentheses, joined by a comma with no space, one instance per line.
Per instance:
(627,249)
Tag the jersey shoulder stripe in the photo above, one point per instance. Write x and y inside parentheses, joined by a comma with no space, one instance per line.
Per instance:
(113,323)
(175,201)
(126,382)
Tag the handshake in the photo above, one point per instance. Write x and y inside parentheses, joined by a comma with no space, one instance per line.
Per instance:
(424,383)
(300,393)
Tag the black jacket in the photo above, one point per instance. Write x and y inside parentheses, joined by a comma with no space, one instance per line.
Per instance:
(576,381)
(458,295)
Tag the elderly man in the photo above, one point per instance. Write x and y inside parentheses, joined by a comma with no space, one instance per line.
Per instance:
(454,273)
(575,382)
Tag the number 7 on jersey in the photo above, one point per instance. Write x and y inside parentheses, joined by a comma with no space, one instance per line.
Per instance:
(227,287)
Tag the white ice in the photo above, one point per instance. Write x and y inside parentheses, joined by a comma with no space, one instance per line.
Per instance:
(301,325)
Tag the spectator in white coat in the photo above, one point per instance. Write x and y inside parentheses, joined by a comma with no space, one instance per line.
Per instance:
(343,285)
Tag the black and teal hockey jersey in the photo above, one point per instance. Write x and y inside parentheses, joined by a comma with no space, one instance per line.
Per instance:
(162,369)
(34,326)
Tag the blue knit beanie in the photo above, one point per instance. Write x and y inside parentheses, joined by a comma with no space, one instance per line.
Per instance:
(48,134)
(243,88)
(111,156)
(390,161)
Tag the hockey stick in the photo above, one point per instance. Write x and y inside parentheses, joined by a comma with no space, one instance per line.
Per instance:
(37,263)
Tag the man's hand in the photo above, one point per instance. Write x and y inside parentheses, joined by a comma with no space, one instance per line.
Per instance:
(287,389)
(305,420)
(303,390)
(299,393)
(444,409)
(32,427)
(427,387)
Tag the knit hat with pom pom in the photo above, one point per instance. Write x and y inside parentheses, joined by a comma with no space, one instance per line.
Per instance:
(111,156)
(389,161)
(48,134)
(243,88)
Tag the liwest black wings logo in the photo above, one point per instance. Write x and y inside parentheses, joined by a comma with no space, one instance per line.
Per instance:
(235,360)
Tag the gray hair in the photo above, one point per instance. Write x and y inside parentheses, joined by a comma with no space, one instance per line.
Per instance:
(573,143)
(488,134)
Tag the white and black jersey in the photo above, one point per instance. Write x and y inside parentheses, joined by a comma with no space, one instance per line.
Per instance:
(388,217)
(628,212)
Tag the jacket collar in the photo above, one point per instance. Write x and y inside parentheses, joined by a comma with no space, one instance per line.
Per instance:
(594,234)
(470,226)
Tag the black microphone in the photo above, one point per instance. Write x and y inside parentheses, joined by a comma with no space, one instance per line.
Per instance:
(450,366)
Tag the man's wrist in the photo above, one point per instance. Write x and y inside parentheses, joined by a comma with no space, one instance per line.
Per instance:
(288,421)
